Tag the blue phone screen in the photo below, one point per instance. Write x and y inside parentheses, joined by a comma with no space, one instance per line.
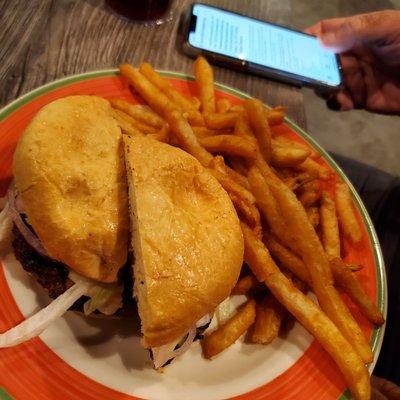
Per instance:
(262,43)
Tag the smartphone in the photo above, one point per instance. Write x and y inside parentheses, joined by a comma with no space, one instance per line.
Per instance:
(259,47)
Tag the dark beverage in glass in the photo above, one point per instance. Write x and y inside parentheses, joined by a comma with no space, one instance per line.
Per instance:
(145,11)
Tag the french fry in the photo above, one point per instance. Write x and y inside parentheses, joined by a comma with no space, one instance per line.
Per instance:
(140,126)
(309,198)
(223,106)
(311,166)
(349,283)
(347,219)
(186,138)
(242,128)
(183,102)
(269,316)
(202,131)
(205,83)
(275,116)
(138,112)
(229,332)
(218,163)
(125,126)
(291,143)
(287,258)
(309,315)
(316,261)
(259,123)
(284,157)
(237,108)
(313,216)
(196,102)
(162,135)
(329,226)
(245,284)
(156,99)
(221,121)
(268,206)
(230,145)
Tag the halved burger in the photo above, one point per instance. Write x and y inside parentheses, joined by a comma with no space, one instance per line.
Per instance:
(73,170)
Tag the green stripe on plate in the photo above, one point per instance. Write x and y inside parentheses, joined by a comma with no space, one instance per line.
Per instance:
(4,395)
(381,286)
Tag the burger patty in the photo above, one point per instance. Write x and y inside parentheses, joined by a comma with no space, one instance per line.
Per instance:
(53,275)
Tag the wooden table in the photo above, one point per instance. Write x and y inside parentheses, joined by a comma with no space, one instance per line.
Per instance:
(42,40)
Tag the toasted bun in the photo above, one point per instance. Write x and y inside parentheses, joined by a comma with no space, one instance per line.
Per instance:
(186,238)
(69,169)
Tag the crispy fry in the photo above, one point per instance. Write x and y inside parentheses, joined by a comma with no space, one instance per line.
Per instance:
(309,198)
(329,226)
(237,108)
(156,99)
(349,283)
(268,206)
(231,331)
(223,106)
(311,166)
(196,102)
(315,259)
(183,102)
(287,258)
(245,284)
(125,126)
(291,143)
(313,216)
(242,128)
(162,135)
(221,121)
(259,123)
(275,116)
(229,144)
(283,157)
(138,112)
(202,131)
(218,163)
(205,83)
(269,316)
(141,127)
(309,315)
(347,219)
(186,138)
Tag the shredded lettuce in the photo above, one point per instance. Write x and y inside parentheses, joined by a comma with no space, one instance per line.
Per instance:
(224,311)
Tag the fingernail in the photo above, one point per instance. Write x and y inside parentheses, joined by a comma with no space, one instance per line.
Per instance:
(333,104)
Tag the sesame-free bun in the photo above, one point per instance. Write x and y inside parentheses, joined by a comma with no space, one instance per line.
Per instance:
(186,239)
(69,170)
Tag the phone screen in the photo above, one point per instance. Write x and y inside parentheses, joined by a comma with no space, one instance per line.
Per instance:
(261,43)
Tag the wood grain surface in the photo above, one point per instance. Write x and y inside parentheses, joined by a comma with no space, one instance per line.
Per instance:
(43,40)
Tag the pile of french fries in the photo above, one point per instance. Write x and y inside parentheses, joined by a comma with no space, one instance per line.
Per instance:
(292,228)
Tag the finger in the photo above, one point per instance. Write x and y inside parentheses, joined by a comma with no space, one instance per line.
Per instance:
(314,30)
(377,395)
(353,79)
(389,389)
(341,101)
(347,33)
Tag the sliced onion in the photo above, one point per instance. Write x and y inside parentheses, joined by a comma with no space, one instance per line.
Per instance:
(203,321)
(16,208)
(164,353)
(224,311)
(5,223)
(37,323)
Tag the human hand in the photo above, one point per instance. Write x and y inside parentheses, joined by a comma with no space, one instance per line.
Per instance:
(384,390)
(369,47)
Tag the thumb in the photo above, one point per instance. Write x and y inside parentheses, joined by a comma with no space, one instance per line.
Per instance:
(346,33)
